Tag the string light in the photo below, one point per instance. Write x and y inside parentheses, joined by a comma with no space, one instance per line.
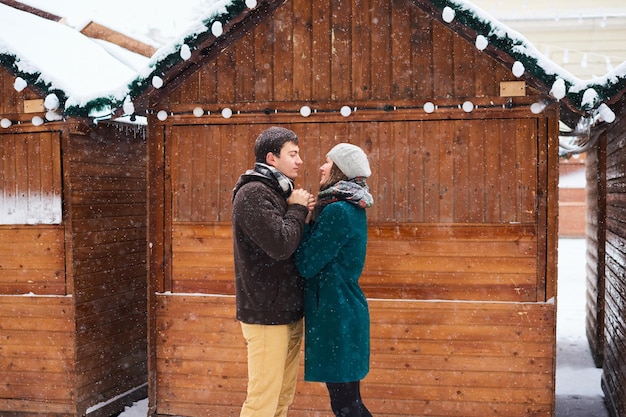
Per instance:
(185,52)
(345,111)
(518,69)
(227,113)
(586,57)
(468,107)
(157,82)
(305,111)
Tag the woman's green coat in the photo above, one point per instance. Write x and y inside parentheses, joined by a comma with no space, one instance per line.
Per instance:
(337,324)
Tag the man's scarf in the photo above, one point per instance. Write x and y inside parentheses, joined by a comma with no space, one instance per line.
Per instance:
(285,183)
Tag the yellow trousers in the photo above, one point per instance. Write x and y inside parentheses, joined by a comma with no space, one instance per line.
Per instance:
(273,361)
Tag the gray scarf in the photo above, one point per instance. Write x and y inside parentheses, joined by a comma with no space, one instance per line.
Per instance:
(285,183)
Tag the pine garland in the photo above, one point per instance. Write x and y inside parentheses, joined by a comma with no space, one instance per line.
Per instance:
(516,48)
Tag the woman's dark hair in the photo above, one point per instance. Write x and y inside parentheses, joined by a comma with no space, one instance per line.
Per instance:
(271,141)
(334,176)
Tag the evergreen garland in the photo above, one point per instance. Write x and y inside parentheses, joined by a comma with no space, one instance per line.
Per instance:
(495,35)
(515,48)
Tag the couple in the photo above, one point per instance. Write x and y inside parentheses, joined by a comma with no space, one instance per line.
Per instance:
(299,255)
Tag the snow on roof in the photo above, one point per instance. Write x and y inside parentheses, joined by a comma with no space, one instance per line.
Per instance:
(64,60)
(59,60)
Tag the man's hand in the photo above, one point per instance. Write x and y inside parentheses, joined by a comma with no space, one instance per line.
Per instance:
(299,196)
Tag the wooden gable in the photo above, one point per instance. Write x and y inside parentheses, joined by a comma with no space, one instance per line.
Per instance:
(19,105)
(461,264)
(383,53)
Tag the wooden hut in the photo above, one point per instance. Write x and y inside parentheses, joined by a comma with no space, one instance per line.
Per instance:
(72,237)
(606,253)
(572,196)
(463,143)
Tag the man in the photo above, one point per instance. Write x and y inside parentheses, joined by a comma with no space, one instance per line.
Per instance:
(268,223)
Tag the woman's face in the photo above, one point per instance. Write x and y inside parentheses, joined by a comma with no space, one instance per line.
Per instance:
(325,171)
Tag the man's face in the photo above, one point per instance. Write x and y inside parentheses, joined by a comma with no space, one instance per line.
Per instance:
(288,162)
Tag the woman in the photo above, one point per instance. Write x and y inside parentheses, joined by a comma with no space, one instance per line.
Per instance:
(330,258)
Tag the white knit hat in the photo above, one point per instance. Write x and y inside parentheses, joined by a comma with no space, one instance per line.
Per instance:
(351,160)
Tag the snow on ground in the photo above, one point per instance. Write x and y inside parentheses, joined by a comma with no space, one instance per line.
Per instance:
(577,379)
(576,372)
(139,409)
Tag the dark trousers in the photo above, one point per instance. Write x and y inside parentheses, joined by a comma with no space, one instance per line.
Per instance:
(345,399)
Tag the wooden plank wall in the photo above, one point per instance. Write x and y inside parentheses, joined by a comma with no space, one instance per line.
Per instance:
(105,173)
(37,356)
(31,236)
(595,237)
(572,197)
(452,358)
(572,213)
(465,211)
(614,365)
(30,178)
(36,325)
(452,226)
(405,261)
(32,259)
(472,173)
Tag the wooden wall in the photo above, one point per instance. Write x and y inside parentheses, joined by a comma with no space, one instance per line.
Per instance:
(572,197)
(614,371)
(37,355)
(72,263)
(428,358)
(595,243)
(488,210)
(105,173)
(461,262)
(37,338)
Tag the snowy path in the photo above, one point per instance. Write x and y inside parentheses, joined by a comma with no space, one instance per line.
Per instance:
(578,392)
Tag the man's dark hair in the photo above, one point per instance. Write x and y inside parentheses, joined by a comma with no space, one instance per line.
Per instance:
(272,140)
